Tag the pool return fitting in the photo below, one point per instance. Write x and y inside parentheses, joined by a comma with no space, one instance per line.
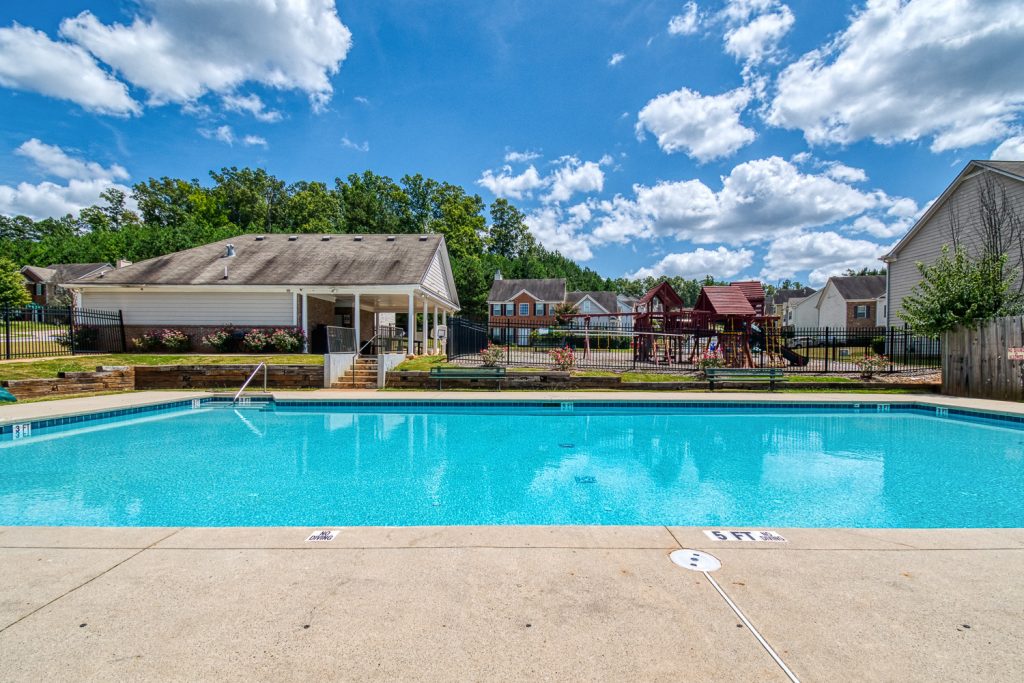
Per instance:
(700,561)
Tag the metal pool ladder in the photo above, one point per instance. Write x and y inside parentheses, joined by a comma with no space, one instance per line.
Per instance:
(261,365)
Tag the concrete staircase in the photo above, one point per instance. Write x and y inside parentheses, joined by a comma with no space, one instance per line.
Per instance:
(362,375)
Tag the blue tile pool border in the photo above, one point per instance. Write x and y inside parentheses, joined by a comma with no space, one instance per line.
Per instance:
(578,405)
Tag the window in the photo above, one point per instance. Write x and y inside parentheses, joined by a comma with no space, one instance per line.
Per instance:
(39,288)
(524,309)
(495,310)
(510,309)
(538,309)
(585,306)
(860,311)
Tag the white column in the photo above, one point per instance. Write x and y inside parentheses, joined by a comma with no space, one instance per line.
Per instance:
(435,344)
(425,340)
(305,320)
(295,309)
(444,317)
(356,321)
(411,325)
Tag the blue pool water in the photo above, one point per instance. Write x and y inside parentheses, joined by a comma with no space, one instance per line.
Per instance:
(415,465)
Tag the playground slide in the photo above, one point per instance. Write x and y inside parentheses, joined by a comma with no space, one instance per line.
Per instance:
(793,357)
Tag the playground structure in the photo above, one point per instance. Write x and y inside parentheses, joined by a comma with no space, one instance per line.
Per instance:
(726,322)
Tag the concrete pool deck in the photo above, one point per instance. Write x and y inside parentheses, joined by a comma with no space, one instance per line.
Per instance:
(507,603)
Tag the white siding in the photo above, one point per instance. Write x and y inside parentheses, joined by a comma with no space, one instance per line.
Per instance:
(152,307)
(926,245)
(832,308)
(805,311)
(436,279)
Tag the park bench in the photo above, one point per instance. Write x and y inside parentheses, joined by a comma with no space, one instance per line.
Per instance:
(769,376)
(494,373)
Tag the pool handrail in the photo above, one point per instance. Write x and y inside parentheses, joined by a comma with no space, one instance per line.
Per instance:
(261,365)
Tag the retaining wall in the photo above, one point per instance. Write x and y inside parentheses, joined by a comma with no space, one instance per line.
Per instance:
(105,378)
(227,376)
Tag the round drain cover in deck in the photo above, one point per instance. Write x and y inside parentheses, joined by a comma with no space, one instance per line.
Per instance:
(695,560)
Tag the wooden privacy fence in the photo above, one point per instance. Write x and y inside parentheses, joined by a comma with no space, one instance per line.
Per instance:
(976,363)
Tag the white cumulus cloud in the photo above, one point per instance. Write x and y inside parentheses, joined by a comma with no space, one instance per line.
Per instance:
(1010,149)
(720,262)
(30,61)
(505,184)
(560,230)
(54,161)
(686,23)
(755,28)
(948,70)
(363,146)
(575,176)
(178,50)
(514,157)
(822,254)
(616,58)
(253,105)
(704,127)
(758,199)
(85,181)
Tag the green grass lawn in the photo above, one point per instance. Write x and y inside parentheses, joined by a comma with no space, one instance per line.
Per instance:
(49,367)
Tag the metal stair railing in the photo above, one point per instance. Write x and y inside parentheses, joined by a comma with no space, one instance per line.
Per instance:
(261,365)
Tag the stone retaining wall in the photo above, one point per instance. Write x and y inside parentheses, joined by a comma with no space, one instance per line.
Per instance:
(105,378)
(540,381)
(227,376)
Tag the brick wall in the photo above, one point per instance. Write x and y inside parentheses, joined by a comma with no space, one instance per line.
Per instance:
(853,323)
(71,383)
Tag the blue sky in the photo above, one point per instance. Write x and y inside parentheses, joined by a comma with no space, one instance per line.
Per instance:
(745,138)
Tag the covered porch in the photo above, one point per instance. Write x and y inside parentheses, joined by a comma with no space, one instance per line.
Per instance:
(370,320)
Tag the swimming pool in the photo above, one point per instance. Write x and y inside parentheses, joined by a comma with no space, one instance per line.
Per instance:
(402,463)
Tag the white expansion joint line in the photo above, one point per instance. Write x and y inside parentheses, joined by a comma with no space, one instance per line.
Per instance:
(746,622)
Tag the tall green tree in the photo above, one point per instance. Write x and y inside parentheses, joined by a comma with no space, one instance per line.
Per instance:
(12,285)
(508,234)
(960,290)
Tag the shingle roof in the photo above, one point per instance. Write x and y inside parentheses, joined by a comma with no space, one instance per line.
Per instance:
(726,300)
(606,300)
(784,295)
(60,273)
(663,292)
(860,287)
(1014,168)
(552,289)
(279,260)
(66,272)
(752,289)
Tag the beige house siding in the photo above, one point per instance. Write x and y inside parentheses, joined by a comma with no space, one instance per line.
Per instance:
(831,307)
(151,307)
(805,311)
(435,279)
(926,244)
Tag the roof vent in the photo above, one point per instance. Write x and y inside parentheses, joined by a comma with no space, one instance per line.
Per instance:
(423,238)
(292,238)
(357,238)
(391,238)
(260,238)
(325,238)
(229,251)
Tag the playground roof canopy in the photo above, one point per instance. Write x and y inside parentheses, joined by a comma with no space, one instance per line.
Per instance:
(752,289)
(664,293)
(728,300)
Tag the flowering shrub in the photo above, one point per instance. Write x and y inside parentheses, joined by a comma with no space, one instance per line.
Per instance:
(168,339)
(491,355)
(255,341)
(870,364)
(710,360)
(287,340)
(221,340)
(563,358)
(84,338)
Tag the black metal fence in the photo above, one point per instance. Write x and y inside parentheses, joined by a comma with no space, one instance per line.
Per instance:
(35,331)
(619,347)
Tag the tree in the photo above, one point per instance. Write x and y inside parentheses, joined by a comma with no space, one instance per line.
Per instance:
(960,290)
(508,235)
(12,285)
(850,272)
(562,311)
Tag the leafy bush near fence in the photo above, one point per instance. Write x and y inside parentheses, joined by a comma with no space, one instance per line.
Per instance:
(878,345)
(168,339)
(280,340)
(84,338)
(492,355)
(222,340)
